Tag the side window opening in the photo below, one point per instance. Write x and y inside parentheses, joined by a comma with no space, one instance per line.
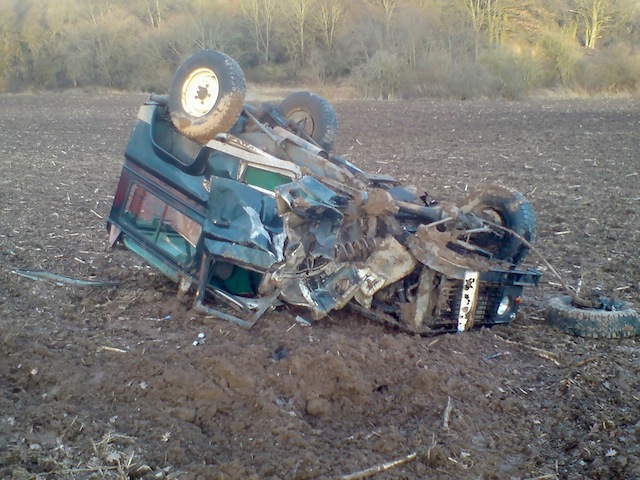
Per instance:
(173,232)
(264,179)
(234,279)
(171,142)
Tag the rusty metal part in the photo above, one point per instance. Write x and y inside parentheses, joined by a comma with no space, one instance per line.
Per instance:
(426,298)
(380,202)
(262,127)
(430,247)
(429,214)
(57,279)
(303,143)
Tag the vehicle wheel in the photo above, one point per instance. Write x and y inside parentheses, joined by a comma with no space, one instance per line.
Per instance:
(592,323)
(506,208)
(314,114)
(206,95)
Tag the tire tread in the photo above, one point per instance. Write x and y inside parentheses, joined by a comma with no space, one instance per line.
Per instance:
(229,105)
(324,115)
(591,323)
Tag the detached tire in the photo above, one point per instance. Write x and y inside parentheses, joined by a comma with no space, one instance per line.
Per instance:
(591,323)
(508,208)
(206,95)
(313,114)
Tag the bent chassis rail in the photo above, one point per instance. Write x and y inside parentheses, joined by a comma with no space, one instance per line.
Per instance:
(260,216)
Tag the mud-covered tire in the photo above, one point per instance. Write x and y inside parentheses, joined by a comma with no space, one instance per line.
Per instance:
(592,323)
(206,95)
(508,208)
(314,114)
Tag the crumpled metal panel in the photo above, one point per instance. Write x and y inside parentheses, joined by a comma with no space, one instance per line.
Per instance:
(313,216)
(426,299)
(330,259)
(429,246)
(240,254)
(239,226)
(309,198)
(388,263)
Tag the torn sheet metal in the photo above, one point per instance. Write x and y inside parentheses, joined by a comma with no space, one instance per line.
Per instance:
(426,299)
(240,225)
(389,262)
(431,248)
(309,198)
(329,258)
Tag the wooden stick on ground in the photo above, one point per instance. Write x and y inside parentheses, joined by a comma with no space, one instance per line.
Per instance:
(447,414)
(380,468)
(538,351)
(105,348)
(584,362)
(394,463)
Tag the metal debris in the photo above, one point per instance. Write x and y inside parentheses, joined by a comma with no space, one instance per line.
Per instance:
(57,279)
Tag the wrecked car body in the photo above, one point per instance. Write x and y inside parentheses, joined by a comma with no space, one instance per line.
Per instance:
(262,213)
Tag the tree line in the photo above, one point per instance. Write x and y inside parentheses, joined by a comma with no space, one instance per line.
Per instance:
(379,48)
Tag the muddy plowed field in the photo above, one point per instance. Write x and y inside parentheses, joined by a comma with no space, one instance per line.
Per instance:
(127,382)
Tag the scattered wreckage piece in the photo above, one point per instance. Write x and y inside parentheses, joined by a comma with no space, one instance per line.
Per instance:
(591,316)
(256,211)
(57,279)
(608,318)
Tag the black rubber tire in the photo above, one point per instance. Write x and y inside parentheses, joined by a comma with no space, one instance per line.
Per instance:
(206,95)
(315,114)
(507,208)
(591,323)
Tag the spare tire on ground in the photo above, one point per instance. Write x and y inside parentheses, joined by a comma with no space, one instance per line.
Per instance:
(506,208)
(618,322)
(312,114)
(206,95)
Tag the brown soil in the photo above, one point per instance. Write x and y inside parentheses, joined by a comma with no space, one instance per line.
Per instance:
(97,382)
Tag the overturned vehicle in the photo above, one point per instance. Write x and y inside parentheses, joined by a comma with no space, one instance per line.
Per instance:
(248,207)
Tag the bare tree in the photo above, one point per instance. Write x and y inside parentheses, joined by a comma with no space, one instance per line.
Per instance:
(298,16)
(625,22)
(489,20)
(10,51)
(260,16)
(329,17)
(388,8)
(204,29)
(416,30)
(101,50)
(593,16)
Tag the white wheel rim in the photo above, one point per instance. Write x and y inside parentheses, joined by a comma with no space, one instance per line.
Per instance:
(200,92)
